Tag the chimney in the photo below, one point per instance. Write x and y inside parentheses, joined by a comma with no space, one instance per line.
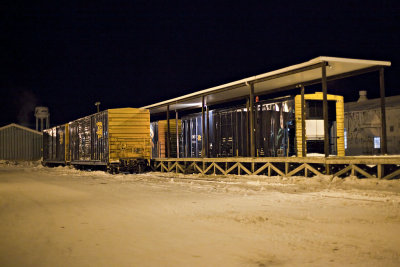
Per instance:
(363,96)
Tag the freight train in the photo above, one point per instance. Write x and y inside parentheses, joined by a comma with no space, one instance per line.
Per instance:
(124,140)
(116,140)
(278,129)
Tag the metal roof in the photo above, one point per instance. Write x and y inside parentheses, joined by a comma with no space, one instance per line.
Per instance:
(306,73)
(20,143)
(21,127)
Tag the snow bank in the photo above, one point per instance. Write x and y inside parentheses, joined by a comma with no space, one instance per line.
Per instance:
(246,184)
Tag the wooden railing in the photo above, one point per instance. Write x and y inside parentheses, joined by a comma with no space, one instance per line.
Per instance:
(382,167)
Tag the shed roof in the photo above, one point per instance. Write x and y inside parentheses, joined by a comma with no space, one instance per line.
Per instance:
(21,127)
(306,73)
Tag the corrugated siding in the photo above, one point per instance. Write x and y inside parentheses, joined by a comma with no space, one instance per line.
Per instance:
(129,133)
(99,136)
(67,155)
(162,137)
(299,127)
(88,139)
(49,144)
(54,144)
(340,126)
(19,144)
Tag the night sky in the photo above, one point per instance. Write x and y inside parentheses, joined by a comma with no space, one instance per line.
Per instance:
(135,53)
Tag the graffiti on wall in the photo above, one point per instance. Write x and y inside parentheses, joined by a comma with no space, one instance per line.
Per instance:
(362,127)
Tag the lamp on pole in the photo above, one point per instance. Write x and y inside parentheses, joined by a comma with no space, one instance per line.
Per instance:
(97,104)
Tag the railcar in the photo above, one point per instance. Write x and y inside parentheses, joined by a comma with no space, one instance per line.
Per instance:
(228,131)
(158,135)
(277,129)
(56,145)
(116,140)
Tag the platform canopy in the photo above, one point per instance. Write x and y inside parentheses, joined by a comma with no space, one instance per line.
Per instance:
(306,73)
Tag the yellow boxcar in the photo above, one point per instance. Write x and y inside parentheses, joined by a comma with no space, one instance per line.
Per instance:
(116,138)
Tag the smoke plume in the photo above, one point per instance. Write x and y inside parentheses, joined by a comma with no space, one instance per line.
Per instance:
(27,102)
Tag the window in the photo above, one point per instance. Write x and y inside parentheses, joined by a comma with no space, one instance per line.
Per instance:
(345,138)
(377,142)
(392,128)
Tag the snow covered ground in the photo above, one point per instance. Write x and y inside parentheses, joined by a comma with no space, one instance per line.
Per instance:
(65,217)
